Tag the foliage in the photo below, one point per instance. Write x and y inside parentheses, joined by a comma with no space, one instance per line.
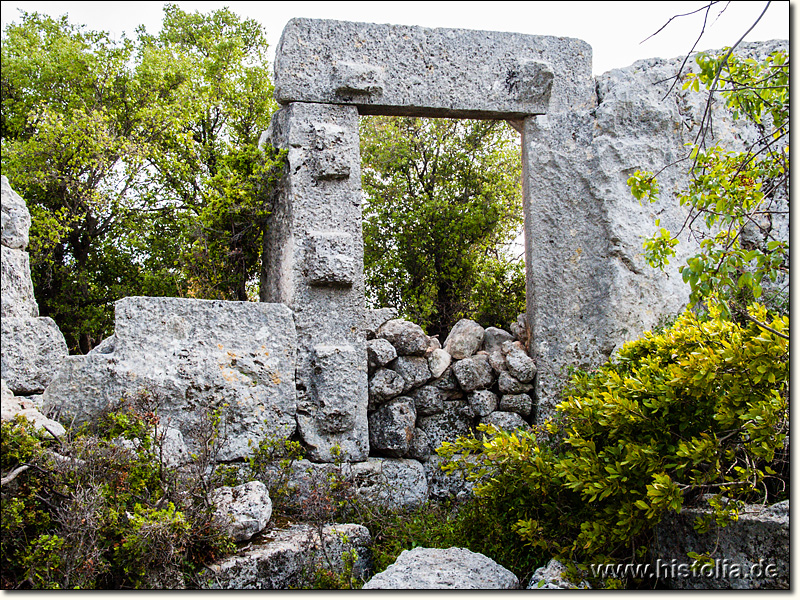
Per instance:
(700,408)
(102,509)
(733,196)
(138,160)
(443,204)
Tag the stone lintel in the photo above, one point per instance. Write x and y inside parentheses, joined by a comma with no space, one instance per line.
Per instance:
(416,71)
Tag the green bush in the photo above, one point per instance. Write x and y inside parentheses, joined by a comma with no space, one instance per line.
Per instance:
(697,409)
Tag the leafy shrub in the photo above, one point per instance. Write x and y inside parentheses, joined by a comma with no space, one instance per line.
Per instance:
(699,408)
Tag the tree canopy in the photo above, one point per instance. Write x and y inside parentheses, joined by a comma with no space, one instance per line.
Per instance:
(443,206)
(138,160)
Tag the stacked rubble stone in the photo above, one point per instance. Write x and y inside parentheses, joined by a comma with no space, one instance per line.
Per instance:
(422,393)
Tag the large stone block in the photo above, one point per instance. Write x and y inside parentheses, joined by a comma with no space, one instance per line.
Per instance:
(195,357)
(16,287)
(16,220)
(32,352)
(405,70)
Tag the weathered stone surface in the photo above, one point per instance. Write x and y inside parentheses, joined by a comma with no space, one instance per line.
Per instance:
(553,576)
(758,537)
(438,361)
(16,287)
(403,70)
(454,421)
(391,427)
(247,508)
(385,385)
(505,421)
(521,404)
(583,224)
(32,352)
(520,365)
(289,559)
(482,402)
(39,421)
(428,400)
(420,447)
(408,338)
(497,360)
(375,317)
(395,482)
(464,340)
(450,569)
(448,383)
(508,385)
(314,256)
(494,338)
(195,356)
(379,353)
(444,486)
(16,220)
(413,369)
(331,414)
(473,373)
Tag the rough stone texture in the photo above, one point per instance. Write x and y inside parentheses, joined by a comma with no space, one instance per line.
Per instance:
(247,508)
(195,356)
(494,338)
(508,385)
(473,373)
(444,486)
(394,482)
(454,421)
(385,385)
(32,350)
(420,447)
(553,576)
(315,254)
(588,287)
(450,569)
(379,353)
(16,220)
(519,364)
(497,360)
(391,427)
(483,402)
(375,317)
(403,70)
(757,535)
(505,421)
(464,340)
(428,400)
(408,338)
(16,287)
(521,404)
(438,361)
(288,558)
(413,369)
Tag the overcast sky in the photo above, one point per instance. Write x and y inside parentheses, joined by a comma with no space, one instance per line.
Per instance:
(615,30)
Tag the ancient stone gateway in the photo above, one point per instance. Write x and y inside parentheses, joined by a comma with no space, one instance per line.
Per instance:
(326,74)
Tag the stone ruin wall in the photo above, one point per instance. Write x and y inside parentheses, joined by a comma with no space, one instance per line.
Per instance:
(313,361)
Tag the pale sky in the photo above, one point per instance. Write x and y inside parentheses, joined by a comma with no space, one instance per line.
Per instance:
(615,30)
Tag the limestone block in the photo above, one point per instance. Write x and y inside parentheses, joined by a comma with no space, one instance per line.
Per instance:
(391,427)
(498,362)
(379,353)
(428,400)
(330,259)
(404,70)
(438,361)
(39,421)
(394,482)
(413,369)
(16,220)
(454,421)
(385,385)
(195,357)
(16,287)
(474,373)
(465,339)
(520,365)
(444,486)
(437,569)
(290,557)
(32,352)
(408,338)
(375,317)
(247,508)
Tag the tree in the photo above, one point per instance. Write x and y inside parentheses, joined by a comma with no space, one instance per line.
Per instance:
(443,205)
(138,160)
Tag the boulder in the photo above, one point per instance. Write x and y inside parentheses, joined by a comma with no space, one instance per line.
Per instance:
(407,338)
(32,351)
(446,486)
(391,427)
(379,353)
(521,404)
(449,569)
(505,421)
(507,384)
(428,400)
(553,576)
(247,508)
(16,220)
(520,365)
(393,482)
(420,449)
(474,373)
(438,361)
(375,317)
(482,402)
(289,558)
(413,369)
(494,338)
(385,385)
(464,340)
(16,287)
(195,357)
(453,422)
